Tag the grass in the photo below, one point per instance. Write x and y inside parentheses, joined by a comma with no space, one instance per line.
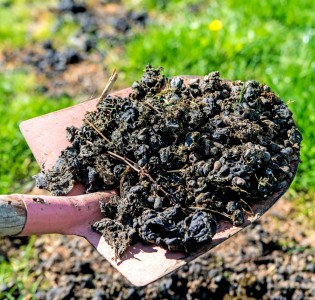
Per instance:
(19,101)
(304,206)
(17,274)
(24,21)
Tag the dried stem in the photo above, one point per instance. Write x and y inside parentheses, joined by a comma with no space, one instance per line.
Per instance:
(105,92)
(151,106)
(94,127)
(157,185)
(109,85)
(141,172)
(175,171)
(90,143)
(132,162)
(113,154)
(251,210)
(210,210)
(122,179)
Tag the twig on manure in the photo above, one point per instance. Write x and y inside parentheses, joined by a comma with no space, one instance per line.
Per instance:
(109,85)
(90,143)
(94,127)
(105,92)
(113,154)
(122,180)
(151,106)
(251,210)
(210,210)
(131,161)
(141,172)
(175,171)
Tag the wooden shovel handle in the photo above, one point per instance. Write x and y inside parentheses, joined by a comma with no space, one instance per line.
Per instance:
(12,215)
(26,215)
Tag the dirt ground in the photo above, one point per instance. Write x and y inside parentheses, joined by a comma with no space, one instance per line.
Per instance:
(272,259)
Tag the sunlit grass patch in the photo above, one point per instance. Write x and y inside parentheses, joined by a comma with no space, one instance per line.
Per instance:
(304,206)
(17,274)
(19,101)
(22,22)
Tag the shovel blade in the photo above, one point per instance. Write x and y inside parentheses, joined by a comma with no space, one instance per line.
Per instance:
(142,264)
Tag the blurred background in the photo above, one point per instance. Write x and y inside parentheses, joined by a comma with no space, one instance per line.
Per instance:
(57,53)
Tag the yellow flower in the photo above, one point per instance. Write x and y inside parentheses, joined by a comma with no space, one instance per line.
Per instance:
(215,25)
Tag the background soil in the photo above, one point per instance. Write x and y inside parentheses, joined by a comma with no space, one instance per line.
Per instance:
(262,262)
(76,65)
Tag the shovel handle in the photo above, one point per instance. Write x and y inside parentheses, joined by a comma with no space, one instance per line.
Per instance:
(12,215)
(26,215)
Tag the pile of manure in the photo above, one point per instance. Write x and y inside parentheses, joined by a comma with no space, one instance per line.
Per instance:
(183,154)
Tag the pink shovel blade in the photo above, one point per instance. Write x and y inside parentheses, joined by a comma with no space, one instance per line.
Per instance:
(142,264)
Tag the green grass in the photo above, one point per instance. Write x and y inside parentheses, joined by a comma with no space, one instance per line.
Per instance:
(24,21)
(270,41)
(19,101)
(304,209)
(18,274)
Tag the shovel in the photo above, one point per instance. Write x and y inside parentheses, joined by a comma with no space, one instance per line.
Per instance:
(25,215)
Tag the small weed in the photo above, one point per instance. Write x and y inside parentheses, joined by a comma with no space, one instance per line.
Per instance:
(242,94)
(17,274)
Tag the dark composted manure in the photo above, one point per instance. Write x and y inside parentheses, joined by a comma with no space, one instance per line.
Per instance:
(182,156)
